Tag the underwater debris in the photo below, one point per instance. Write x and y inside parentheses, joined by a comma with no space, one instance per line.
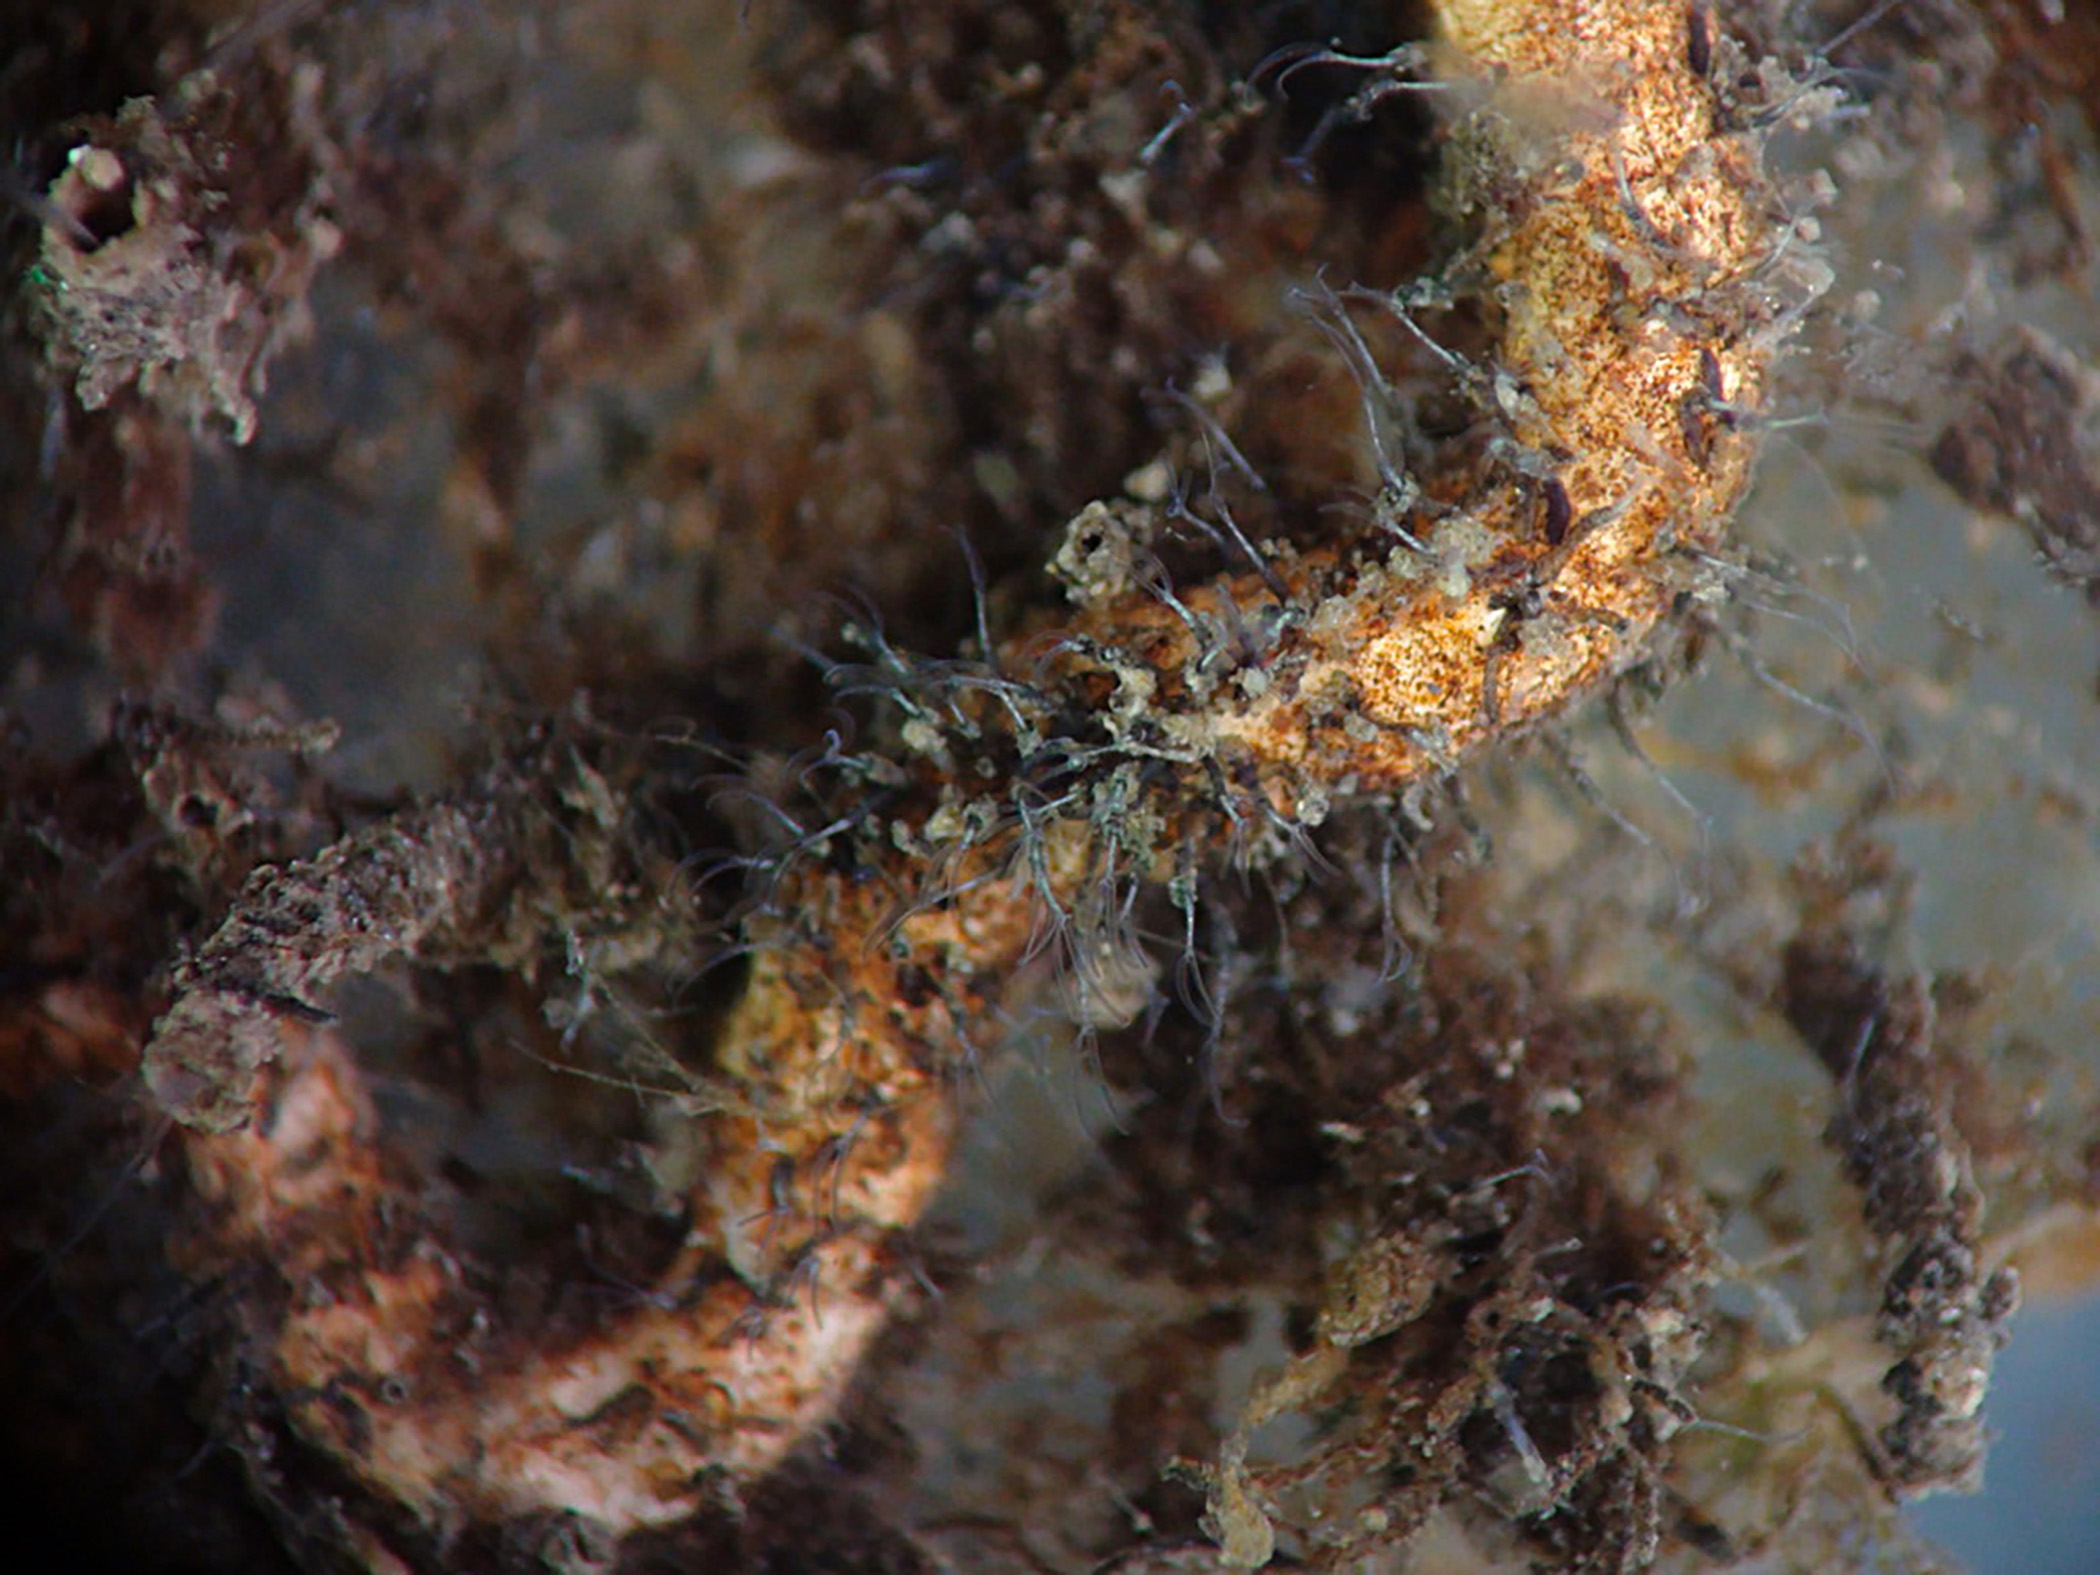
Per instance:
(1944,1313)
(1260,424)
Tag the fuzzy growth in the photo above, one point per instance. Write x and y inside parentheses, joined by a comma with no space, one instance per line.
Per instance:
(1624,256)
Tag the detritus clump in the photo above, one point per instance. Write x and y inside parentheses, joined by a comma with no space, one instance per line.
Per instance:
(1944,1313)
(2026,443)
(1511,1335)
(540,852)
(195,226)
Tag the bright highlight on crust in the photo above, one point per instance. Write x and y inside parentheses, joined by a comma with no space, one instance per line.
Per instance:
(1622,238)
(1623,248)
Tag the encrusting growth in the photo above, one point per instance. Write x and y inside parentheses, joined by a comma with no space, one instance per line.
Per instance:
(1622,243)
(1624,253)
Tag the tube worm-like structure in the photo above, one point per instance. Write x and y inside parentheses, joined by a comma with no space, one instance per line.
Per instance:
(1623,243)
